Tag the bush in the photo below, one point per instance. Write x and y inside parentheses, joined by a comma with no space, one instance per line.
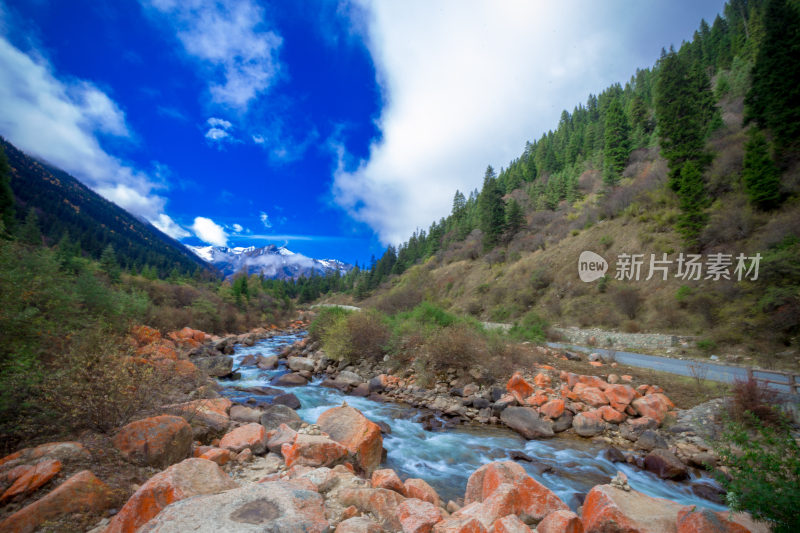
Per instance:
(459,347)
(707,345)
(361,335)
(326,317)
(750,399)
(764,470)
(628,301)
(400,299)
(531,328)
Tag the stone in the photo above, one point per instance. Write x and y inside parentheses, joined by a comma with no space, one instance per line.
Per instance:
(607,508)
(362,437)
(190,477)
(381,503)
(268,362)
(290,380)
(277,437)
(82,492)
(552,409)
(361,390)
(63,451)
(609,414)
(519,388)
(419,489)
(242,413)
(358,524)
(588,424)
(632,428)
(218,455)
(418,516)
(32,479)
(510,524)
(591,396)
(387,479)
(620,396)
(288,399)
(272,506)
(313,450)
(651,406)
(614,455)
(612,379)
(252,436)
(208,417)
(378,383)
(275,415)
(650,440)
(464,524)
(563,422)
(503,501)
(217,366)
(300,363)
(526,422)
(157,441)
(348,378)
(665,465)
(693,520)
(560,522)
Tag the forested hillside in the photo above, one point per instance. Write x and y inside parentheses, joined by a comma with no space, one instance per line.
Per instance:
(65,209)
(698,154)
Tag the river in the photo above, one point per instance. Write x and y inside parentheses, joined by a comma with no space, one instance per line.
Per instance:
(446,458)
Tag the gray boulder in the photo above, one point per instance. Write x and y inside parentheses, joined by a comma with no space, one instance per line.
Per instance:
(276,415)
(217,366)
(526,422)
(300,363)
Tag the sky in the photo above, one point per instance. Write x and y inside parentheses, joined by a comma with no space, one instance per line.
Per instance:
(332,127)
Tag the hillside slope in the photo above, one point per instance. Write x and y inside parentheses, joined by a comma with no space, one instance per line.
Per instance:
(64,205)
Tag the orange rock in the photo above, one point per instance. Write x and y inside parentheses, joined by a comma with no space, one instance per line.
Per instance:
(185,369)
(10,476)
(190,477)
(620,396)
(387,479)
(82,492)
(313,450)
(252,436)
(362,437)
(460,525)
(358,524)
(542,380)
(607,508)
(212,413)
(156,441)
(381,503)
(419,489)
(664,399)
(537,399)
(144,335)
(63,451)
(33,478)
(11,457)
(592,396)
(626,377)
(418,516)
(610,414)
(652,406)
(692,520)
(592,381)
(596,364)
(519,388)
(510,524)
(503,501)
(552,409)
(218,455)
(560,522)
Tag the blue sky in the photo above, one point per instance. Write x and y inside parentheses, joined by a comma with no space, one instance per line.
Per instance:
(332,127)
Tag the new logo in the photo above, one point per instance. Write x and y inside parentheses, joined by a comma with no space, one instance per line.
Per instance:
(591,266)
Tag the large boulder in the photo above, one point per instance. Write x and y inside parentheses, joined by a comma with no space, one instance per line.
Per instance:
(190,477)
(82,492)
(217,366)
(693,520)
(63,451)
(32,477)
(652,406)
(526,422)
(362,437)
(278,414)
(272,506)
(253,436)
(277,437)
(419,489)
(511,524)
(552,409)
(290,380)
(242,413)
(460,524)
(607,508)
(519,388)
(417,516)
(588,424)
(387,479)
(208,418)
(267,362)
(531,500)
(156,441)
(288,399)
(358,524)
(620,396)
(299,364)
(560,522)
(381,503)
(665,465)
(313,450)
(591,396)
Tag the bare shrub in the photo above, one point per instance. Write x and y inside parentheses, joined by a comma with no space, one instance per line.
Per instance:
(617,200)
(631,326)
(400,299)
(752,396)
(458,347)
(360,335)
(731,222)
(628,301)
(496,256)
(589,181)
(727,164)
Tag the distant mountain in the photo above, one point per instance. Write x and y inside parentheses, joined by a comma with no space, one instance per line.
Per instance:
(272,261)
(64,204)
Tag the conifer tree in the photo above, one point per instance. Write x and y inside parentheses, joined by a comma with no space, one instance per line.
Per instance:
(617,142)
(492,210)
(693,201)
(108,262)
(773,100)
(760,176)
(29,232)
(515,218)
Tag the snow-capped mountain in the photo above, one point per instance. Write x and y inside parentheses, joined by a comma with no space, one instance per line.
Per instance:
(272,261)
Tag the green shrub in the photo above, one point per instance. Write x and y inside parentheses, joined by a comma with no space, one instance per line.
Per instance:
(531,328)
(606,241)
(764,472)
(361,335)
(326,317)
(707,345)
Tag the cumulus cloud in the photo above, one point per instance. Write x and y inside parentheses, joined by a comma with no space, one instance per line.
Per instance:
(209,231)
(62,122)
(228,41)
(465,84)
(237,228)
(265,219)
(215,122)
(218,130)
(170,227)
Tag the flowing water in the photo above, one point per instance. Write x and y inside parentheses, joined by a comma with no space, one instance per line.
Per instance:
(446,458)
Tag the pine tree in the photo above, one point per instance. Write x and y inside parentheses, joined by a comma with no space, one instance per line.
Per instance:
(760,176)
(617,142)
(773,100)
(492,210)
(29,232)
(515,218)
(109,264)
(6,194)
(693,201)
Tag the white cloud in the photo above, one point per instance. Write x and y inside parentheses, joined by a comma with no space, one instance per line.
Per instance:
(61,122)
(216,134)
(237,228)
(265,220)
(221,123)
(226,38)
(209,231)
(170,227)
(465,84)
(218,130)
